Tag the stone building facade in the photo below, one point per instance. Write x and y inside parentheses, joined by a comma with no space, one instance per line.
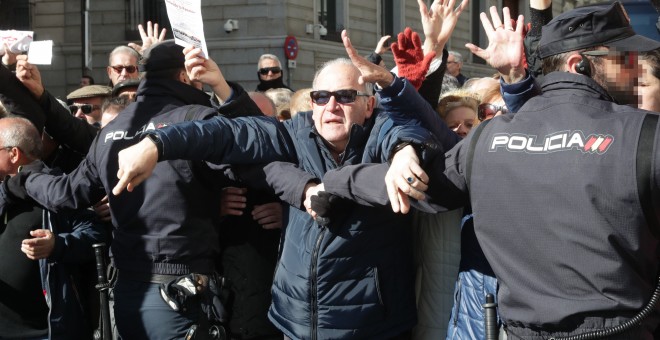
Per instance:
(263,26)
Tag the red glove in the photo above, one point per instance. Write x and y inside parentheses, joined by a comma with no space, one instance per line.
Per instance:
(410,59)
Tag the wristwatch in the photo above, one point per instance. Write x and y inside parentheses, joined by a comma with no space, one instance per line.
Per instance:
(159,144)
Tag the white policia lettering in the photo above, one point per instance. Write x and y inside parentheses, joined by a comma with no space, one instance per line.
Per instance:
(122,134)
(558,141)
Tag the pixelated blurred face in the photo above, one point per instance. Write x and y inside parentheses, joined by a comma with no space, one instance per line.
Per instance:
(621,74)
(94,116)
(648,89)
(123,66)
(269,69)
(333,119)
(453,67)
(461,120)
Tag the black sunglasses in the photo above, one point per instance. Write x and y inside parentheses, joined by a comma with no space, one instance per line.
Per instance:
(120,68)
(86,108)
(488,111)
(264,70)
(341,96)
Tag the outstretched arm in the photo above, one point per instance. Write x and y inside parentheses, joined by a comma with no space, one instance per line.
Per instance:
(370,72)
(218,140)
(59,123)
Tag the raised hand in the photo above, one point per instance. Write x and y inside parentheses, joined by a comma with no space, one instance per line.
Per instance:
(205,70)
(439,22)
(149,37)
(410,59)
(371,73)
(382,47)
(9,58)
(505,44)
(29,75)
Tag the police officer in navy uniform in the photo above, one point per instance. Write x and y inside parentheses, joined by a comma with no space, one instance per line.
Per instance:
(562,191)
(166,229)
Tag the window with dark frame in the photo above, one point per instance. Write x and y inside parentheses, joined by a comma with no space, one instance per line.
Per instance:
(387,23)
(15,15)
(141,11)
(328,17)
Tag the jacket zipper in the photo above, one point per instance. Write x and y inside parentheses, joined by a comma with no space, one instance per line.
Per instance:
(313,278)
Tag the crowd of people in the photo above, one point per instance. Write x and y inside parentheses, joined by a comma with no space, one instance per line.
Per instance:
(319,213)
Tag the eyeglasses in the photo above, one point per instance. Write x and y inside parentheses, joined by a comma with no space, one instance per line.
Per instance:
(627,58)
(86,108)
(120,68)
(264,70)
(488,111)
(341,96)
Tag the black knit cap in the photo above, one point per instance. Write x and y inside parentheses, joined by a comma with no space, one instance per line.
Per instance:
(165,55)
(591,26)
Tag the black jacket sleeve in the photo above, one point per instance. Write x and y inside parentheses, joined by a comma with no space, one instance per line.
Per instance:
(288,181)
(64,127)
(239,105)
(432,85)
(19,98)
(77,190)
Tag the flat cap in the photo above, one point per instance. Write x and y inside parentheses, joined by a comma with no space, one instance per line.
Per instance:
(90,91)
(591,26)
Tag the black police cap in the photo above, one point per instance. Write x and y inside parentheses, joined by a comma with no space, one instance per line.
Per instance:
(165,55)
(602,25)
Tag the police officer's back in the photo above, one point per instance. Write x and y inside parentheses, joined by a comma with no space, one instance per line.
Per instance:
(554,187)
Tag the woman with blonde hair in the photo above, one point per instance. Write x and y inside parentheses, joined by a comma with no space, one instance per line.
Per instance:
(458,109)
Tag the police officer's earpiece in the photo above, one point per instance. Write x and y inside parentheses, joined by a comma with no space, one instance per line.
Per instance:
(583,66)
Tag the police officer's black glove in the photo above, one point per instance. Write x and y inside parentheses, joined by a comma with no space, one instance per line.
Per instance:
(327,206)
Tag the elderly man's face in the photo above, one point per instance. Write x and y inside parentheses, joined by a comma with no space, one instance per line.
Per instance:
(453,67)
(333,120)
(269,69)
(93,103)
(8,155)
(120,68)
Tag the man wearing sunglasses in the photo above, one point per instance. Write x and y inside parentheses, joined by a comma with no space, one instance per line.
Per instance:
(351,277)
(269,71)
(122,65)
(85,103)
